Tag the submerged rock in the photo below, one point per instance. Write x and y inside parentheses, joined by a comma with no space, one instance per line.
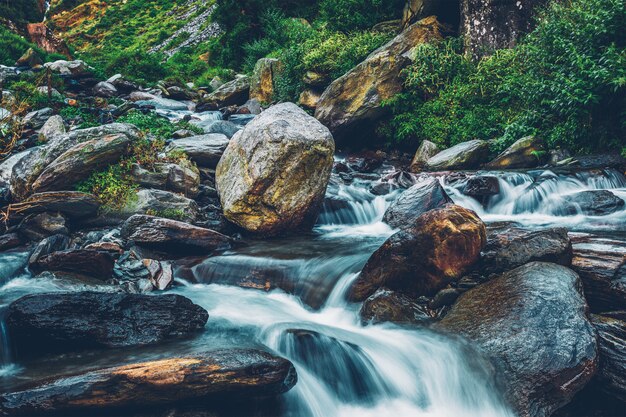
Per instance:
(238,374)
(171,234)
(593,203)
(41,323)
(423,258)
(531,323)
(465,155)
(273,176)
(481,186)
(417,200)
(357,96)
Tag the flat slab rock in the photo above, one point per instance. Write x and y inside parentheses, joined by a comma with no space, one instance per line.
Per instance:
(72,321)
(172,234)
(238,373)
(70,203)
(612,342)
(531,323)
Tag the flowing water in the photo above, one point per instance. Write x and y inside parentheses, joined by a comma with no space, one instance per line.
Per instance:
(288,296)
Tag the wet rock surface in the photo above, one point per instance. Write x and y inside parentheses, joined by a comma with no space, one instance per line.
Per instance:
(388,306)
(511,247)
(531,322)
(417,200)
(611,329)
(172,235)
(594,203)
(72,321)
(238,374)
(601,265)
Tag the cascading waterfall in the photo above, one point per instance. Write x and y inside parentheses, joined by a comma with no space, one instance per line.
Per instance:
(537,198)
(298,306)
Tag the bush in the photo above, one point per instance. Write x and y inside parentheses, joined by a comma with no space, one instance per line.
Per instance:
(350,15)
(113,188)
(565,82)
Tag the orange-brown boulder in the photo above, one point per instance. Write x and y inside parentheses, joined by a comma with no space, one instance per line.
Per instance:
(420,260)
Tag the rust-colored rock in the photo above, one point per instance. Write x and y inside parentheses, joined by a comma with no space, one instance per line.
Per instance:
(42,36)
(241,373)
(422,259)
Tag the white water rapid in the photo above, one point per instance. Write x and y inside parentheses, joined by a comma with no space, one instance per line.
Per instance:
(287,295)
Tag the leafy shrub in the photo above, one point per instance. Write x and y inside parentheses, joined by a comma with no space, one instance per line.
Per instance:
(113,188)
(350,15)
(565,81)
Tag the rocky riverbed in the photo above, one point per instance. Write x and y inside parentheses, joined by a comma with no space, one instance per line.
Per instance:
(270,273)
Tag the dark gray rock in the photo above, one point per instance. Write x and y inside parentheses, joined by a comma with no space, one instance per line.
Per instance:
(611,376)
(92,263)
(511,247)
(417,200)
(389,306)
(171,234)
(602,268)
(593,203)
(531,323)
(72,321)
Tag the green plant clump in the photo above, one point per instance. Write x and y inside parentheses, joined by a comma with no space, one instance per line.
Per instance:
(565,82)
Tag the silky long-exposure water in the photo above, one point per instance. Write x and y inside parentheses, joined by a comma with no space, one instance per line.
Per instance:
(287,295)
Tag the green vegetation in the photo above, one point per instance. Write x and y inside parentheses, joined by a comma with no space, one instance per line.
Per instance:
(246,22)
(564,82)
(114,187)
(21,12)
(13,46)
(174,214)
